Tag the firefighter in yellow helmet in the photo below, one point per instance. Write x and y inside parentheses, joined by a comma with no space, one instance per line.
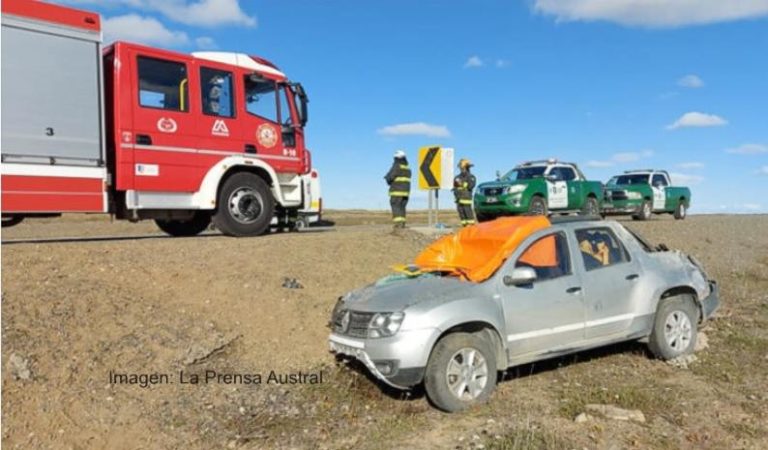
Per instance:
(399,180)
(463,185)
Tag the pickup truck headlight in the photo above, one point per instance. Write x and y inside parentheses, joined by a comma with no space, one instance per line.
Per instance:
(634,195)
(385,324)
(516,189)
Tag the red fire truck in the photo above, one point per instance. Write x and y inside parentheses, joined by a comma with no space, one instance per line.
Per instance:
(144,133)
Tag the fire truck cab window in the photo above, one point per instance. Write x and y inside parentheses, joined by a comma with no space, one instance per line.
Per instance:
(216,92)
(261,98)
(163,84)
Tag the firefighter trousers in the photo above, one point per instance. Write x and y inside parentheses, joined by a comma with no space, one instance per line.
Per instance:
(398,209)
(466,215)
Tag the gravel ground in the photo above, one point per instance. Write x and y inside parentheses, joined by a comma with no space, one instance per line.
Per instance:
(75,310)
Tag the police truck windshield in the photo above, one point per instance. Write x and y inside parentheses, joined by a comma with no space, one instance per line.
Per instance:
(525,173)
(632,179)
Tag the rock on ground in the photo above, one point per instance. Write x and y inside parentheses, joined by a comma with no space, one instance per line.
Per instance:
(616,413)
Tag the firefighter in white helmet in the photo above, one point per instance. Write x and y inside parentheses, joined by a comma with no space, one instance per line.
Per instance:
(463,185)
(399,180)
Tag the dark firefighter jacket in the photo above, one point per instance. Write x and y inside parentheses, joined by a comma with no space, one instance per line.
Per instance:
(463,185)
(399,179)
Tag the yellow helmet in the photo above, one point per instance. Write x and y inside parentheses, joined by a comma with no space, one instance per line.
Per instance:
(465,163)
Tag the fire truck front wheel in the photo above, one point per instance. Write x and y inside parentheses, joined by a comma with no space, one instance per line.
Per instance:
(192,227)
(245,206)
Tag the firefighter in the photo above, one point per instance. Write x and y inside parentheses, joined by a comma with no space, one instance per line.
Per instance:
(463,185)
(399,180)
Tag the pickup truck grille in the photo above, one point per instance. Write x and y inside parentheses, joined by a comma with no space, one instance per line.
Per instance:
(617,195)
(493,191)
(358,323)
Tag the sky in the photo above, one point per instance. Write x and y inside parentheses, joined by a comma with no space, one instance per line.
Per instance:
(610,85)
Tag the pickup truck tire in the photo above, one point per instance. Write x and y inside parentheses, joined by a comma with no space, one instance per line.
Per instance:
(461,372)
(680,211)
(591,208)
(245,206)
(538,206)
(675,327)
(645,212)
(181,228)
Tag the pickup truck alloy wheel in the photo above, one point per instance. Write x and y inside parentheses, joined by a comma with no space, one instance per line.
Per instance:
(645,211)
(591,208)
(538,206)
(467,373)
(461,372)
(675,327)
(680,211)
(678,331)
(245,206)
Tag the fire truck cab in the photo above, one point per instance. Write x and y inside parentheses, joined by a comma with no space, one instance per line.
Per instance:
(144,133)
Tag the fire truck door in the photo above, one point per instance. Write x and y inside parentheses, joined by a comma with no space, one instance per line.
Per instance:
(164,138)
(262,131)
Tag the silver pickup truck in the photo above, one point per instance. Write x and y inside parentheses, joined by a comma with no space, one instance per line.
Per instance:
(456,336)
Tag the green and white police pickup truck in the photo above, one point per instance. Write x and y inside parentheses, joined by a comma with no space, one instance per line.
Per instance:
(538,187)
(643,193)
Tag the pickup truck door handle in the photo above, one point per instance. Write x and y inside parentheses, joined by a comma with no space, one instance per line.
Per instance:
(632,277)
(143,139)
(250,148)
(573,290)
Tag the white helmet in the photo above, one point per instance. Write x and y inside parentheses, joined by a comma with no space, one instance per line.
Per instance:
(399,154)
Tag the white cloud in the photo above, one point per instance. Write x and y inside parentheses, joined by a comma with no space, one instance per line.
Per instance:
(203,13)
(685,179)
(473,61)
(691,165)
(621,158)
(697,119)
(144,30)
(415,129)
(752,206)
(653,13)
(749,149)
(690,81)
(206,43)
(763,171)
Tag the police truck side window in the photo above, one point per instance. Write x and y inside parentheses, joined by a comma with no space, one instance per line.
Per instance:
(567,173)
(163,84)
(261,98)
(216,92)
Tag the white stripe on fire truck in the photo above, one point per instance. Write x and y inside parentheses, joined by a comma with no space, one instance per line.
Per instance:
(162,148)
(45,170)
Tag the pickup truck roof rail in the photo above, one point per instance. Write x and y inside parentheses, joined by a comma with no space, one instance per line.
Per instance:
(646,171)
(546,161)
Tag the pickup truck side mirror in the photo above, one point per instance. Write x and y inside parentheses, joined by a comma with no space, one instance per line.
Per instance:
(520,276)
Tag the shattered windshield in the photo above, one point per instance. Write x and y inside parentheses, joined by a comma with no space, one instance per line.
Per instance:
(525,173)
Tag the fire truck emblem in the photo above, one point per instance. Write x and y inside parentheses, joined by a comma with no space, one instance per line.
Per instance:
(220,128)
(266,135)
(167,125)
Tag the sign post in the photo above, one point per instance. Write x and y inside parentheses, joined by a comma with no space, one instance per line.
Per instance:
(435,173)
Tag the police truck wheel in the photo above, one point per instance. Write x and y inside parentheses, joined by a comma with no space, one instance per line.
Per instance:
(591,208)
(645,212)
(680,211)
(461,372)
(245,206)
(675,327)
(192,227)
(538,206)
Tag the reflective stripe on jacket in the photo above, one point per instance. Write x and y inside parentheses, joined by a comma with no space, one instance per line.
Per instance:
(463,185)
(399,179)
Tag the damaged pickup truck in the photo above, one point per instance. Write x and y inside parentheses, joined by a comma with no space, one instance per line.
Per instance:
(518,290)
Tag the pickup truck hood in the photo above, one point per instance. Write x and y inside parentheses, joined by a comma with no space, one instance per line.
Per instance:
(501,184)
(397,295)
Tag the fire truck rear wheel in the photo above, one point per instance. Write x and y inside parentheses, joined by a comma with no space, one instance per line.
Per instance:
(192,227)
(245,206)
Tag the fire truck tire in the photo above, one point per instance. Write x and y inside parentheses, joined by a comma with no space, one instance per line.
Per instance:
(180,228)
(9,221)
(245,206)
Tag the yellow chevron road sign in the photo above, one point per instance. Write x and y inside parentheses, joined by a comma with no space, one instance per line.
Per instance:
(435,167)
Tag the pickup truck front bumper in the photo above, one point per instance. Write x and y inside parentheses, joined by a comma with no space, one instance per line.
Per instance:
(621,207)
(399,361)
(710,304)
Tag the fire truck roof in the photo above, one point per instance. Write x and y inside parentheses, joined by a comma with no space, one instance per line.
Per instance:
(240,60)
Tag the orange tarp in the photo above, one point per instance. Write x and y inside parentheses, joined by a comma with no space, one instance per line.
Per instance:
(477,251)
